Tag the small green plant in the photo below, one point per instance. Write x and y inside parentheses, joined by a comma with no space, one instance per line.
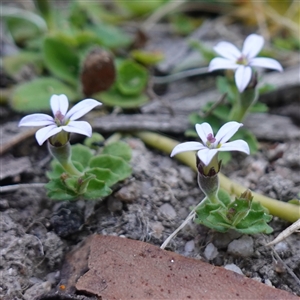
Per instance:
(78,171)
(217,210)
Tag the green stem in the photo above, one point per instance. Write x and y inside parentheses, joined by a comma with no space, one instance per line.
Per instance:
(283,210)
(63,156)
(243,104)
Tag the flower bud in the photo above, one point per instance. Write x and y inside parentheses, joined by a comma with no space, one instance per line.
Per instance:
(208,179)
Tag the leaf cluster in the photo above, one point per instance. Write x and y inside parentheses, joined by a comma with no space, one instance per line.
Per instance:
(100,172)
(57,51)
(243,215)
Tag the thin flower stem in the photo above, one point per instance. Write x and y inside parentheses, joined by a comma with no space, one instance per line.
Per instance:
(188,218)
(283,210)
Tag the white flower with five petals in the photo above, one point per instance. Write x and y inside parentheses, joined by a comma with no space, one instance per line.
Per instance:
(63,120)
(242,61)
(211,144)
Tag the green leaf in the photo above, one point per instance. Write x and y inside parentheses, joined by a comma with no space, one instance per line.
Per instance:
(225,157)
(116,164)
(114,98)
(259,107)
(294,201)
(138,7)
(61,60)
(57,190)
(215,122)
(111,36)
(224,85)
(57,170)
(14,64)
(224,197)
(104,175)
(184,24)
(119,149)
(95,141)
(248,137)
(81,154)
(266,88)
(207,53)
(45,10)
(21,29)
(147,58)
(132,78)
(97,189)
(222,112)
(97,12)
(35,95)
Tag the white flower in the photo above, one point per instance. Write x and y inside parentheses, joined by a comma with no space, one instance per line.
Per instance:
(211,145)
(63,120)
(242,61)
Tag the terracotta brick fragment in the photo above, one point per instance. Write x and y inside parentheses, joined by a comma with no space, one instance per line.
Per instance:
(121,268)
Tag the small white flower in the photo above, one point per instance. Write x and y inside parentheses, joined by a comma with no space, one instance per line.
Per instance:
(242,62)
(211,145)
(63,120)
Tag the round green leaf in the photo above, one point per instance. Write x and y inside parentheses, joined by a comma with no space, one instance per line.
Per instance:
(104,175)
(81,154)
(119,149)
(15,63)
(114,98)
(116,164)
(34,96)
(132,78)
(61,60)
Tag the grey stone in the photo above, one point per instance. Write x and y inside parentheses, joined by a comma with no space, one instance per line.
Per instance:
(234,268)
(242,247)
(189,247)
(210,251)
(168,210)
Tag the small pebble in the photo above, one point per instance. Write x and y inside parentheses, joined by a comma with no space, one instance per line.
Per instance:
(187,174)
(168,210)
(281,247)
(189,247)
(222,240)
(242,247)
(257,279)
(268,282)
(4,204)
(114,204)
(234,268)
(210,251)
(128,193)
(157,229)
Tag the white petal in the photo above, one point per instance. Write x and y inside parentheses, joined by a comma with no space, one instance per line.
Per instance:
(206,155)
(44,133)
(228,50)
(238,145)
(80,127)
(265,62)
(219,63)
(242,77)
(36,120)
(59,103)
(203,131)
(252,45)
(227,131)
(81,108)
(187,146)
